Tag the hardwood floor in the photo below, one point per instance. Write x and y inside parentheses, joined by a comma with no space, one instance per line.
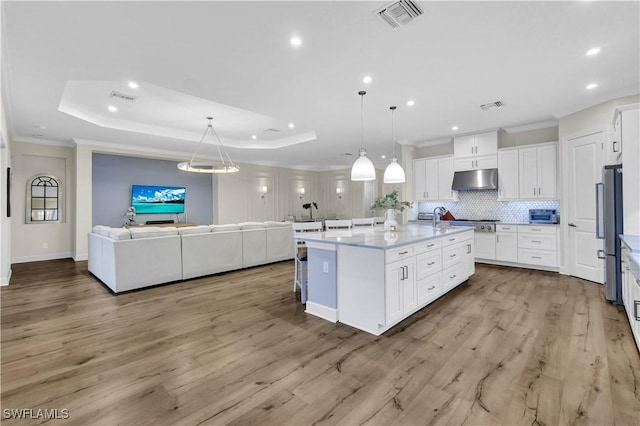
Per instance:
(510,346)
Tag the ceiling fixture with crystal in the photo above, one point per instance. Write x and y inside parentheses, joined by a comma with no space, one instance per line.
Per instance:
(362,168)
(224,165)
(394,173)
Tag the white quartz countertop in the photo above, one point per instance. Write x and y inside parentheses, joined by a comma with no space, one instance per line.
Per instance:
(631,241)
(428,222)
(377,238)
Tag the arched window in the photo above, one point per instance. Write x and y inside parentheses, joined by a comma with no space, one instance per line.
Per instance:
(44,199)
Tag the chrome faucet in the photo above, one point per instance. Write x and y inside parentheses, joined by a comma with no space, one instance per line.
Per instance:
(438,211)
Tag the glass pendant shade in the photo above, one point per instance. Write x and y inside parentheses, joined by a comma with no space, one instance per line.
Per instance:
(394,173)
(363,169)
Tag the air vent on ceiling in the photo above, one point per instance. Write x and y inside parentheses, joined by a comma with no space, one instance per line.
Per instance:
(272,130)
(496,104)
(400,12)
(122,96)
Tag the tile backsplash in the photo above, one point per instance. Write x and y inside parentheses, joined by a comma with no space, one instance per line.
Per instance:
(485,205)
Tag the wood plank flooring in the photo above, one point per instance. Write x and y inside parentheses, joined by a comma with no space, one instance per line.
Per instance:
(511,346)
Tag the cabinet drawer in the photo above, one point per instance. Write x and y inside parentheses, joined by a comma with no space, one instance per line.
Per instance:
(506,228)
(540,241)
(397,254)
(537,257)
(428,289)
(427,245)
(428,263)
(451,255)
(451,277)
(456,238)
(532,229)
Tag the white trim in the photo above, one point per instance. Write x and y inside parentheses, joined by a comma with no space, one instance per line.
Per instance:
(322,311)
(80,257)
(621,108)
(433,142)
(5,280)
(43,141)
(519,265)
(316,245)
(40,257)
(532,126)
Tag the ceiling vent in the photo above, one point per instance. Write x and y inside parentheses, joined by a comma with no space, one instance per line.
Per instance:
(400,13)
(272,130)
(122,96)
(496,104)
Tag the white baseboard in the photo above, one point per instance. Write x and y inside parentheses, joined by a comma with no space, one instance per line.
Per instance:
(40,257)
(322,311)
(5,280)
(79,257)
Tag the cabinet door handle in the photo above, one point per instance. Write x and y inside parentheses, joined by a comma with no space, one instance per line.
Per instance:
(431,288)
(636,315)
(403,252)
(539,191)
(573,225)
(468,248)
(451,256)
(430,245)
(534,241)
(615,148)
(536,257)
(451,239)
(452,276)
(431,263)
(497,238)
(406,268)
(534,191)
(601,254)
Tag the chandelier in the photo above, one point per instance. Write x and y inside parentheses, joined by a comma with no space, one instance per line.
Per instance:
(224,165)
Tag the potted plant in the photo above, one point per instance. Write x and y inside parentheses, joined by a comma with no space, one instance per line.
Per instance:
(390,203)
(310,206)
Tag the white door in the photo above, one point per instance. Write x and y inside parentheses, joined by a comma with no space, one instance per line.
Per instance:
(528,172)
(508,174)
(547,171)
(419,180)
(487,143)
(464,146)
(445,178)
(584,162)
(431,179)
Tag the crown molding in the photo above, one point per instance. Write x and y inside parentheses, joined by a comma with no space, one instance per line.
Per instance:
(440,141)
(42,141)
(532,126)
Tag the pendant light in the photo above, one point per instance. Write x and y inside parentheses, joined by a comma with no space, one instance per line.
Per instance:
(362,168)
(224,165)
(394,173)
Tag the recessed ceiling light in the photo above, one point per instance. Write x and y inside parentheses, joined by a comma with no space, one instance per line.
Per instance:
(383,156)
(112,108)
(410,103)
(592,86)
(133,85)
(367,79)
(593,51)
(37,126)
(454,128)
(291,125)
(254,137)
(295,41)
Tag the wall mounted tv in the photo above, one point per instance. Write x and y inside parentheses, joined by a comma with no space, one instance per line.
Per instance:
(157,199)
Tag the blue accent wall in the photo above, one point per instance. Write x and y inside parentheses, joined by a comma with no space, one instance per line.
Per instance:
(322,286)
(113,176)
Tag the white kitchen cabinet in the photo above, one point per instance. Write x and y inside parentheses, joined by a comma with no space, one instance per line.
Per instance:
(628,134)
(538,245)
(473,152)
(537,168)
(631,295)
(507,243)
(445,179)
(400,289)
(433,178)
(485,245)
(508,176)
(468,257)
(428,263)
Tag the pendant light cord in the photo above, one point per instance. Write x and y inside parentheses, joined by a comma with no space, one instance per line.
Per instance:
(393,144)
(362,93)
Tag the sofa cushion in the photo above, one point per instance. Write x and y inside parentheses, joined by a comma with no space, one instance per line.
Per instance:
(200,229)
(223,228)
(152,231)
(101,230)
(119,234)
(252,225)
(275,224)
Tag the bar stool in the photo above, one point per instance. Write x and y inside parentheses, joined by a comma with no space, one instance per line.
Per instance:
(338,224)
(363,221)
(300,256)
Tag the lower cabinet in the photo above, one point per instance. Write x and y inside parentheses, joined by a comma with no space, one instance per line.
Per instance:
(485,245)
(400,290)
(538,245)
(507,243)
(429,288)
(631,296)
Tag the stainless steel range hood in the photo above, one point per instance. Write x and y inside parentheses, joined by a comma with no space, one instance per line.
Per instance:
(475,180)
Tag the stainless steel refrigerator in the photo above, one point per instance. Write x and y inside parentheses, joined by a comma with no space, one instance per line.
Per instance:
(609,227)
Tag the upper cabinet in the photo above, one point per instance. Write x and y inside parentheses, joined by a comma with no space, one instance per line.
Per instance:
(537,169)
(508,183)
(473,152)
(433,178)
(627,126)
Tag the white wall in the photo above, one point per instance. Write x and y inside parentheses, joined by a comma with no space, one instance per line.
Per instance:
(29,239)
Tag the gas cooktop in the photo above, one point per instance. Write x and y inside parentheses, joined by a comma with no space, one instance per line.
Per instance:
(482,225)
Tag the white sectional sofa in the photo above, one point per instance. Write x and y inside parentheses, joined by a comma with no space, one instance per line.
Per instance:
(128,259)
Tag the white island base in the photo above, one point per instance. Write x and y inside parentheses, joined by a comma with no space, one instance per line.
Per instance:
(379,283)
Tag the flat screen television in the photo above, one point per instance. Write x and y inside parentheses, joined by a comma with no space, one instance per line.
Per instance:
(157,199)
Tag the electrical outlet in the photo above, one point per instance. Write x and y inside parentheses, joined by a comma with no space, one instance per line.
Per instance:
(325,267)
(45,245)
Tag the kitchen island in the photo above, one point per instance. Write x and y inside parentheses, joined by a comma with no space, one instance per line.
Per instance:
(371,279)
